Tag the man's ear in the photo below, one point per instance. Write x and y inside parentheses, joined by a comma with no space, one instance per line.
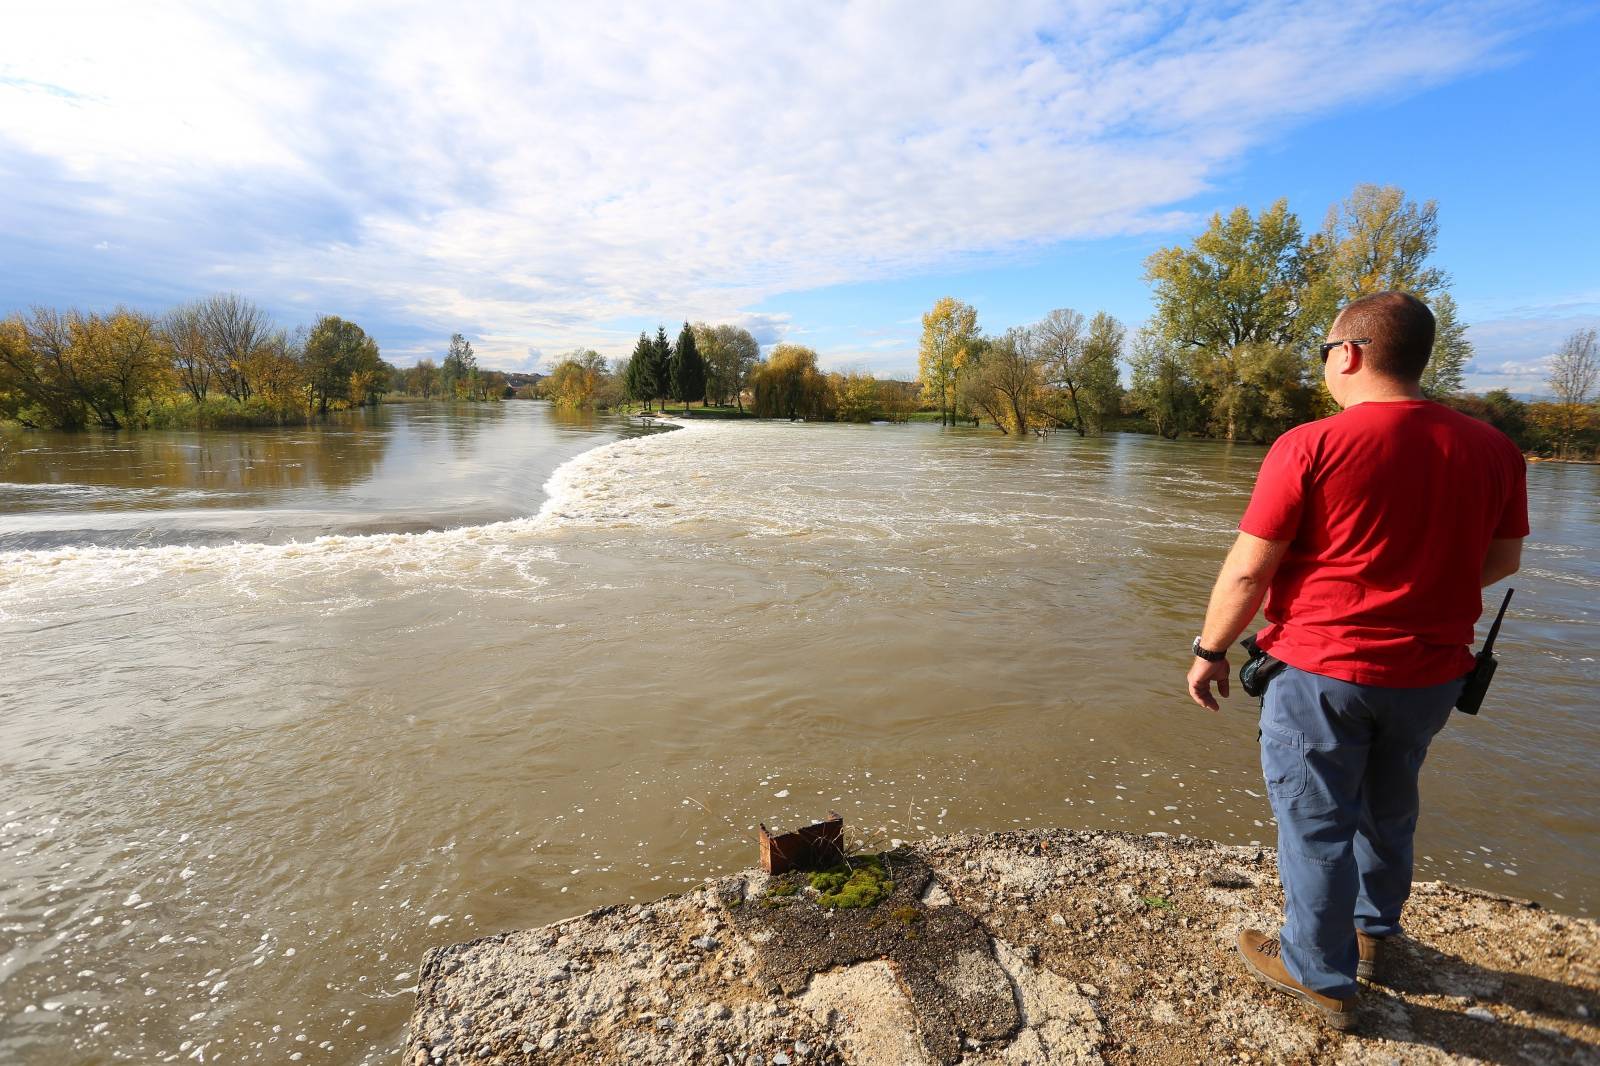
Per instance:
(1350,358)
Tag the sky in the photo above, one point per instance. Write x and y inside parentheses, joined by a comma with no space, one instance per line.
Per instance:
(541,177)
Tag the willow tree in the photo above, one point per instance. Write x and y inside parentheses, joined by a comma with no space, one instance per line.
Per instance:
(789,385)
(948,331)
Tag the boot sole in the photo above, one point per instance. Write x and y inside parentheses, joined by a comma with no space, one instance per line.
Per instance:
(1342,1020)
(1367,970)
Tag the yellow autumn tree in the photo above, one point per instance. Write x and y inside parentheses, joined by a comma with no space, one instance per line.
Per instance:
(948,333)
(576,380)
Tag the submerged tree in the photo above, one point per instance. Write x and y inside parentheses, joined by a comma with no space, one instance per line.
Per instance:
(948,331)
(1004,382)
(1161,389)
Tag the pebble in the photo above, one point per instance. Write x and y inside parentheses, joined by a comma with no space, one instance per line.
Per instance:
(549,1041)
(1480,1013)
(705,943)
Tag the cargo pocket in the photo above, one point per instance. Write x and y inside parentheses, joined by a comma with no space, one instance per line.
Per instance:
(1283,761)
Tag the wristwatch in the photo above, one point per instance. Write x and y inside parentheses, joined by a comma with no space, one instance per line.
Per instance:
(1208,656)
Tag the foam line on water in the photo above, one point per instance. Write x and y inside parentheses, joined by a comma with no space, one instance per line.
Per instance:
(26,574)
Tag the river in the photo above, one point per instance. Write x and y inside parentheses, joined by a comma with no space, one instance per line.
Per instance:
(281,709)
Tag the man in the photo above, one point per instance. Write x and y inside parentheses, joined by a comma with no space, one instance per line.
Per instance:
(1370,534)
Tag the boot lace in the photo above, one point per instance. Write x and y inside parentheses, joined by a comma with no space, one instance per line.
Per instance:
(1270,948)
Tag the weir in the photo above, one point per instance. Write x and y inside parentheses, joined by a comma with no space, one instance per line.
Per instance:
(1050,946)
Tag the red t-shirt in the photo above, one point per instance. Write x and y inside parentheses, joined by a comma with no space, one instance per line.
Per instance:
(1388,508)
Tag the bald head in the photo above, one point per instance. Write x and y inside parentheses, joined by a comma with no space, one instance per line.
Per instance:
(1399,328)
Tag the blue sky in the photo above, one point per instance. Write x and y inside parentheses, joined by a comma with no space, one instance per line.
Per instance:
(542,179)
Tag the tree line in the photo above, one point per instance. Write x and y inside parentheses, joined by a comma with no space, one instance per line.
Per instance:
(719,366)
(1231,350)
(458,377)
(707,365)
(216,362)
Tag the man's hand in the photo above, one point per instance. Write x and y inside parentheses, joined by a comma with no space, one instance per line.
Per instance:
(1201,674)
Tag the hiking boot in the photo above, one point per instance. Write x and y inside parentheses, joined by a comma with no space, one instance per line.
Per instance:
(1260,954)
(1372,949)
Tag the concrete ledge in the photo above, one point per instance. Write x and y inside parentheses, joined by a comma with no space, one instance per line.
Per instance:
(1023,947)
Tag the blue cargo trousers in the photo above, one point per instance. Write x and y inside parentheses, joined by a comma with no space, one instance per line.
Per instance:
(1341,763)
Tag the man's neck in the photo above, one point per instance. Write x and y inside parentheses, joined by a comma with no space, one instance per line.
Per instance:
(1382,390)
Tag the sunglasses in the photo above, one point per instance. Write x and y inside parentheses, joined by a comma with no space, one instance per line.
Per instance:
(1331,345)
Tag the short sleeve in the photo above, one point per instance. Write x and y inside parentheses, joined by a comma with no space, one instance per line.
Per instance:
(1514,516)
(1280,492)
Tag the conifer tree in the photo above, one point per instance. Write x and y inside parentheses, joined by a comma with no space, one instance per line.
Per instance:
(636,379)
(688,370)
(661,366)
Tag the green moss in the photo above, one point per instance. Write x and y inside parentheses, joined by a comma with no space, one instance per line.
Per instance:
(1158,903)
(859,882)
(783,888)
(907,915)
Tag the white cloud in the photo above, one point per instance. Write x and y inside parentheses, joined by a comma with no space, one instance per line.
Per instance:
(1514,351)
(538,174)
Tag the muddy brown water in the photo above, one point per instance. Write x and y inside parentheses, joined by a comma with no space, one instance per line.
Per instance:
(279,710)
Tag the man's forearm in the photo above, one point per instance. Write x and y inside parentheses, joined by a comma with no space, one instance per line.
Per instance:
(1235,599)
(1240,588)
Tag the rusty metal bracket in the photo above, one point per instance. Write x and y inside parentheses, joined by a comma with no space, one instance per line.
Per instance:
(813,847)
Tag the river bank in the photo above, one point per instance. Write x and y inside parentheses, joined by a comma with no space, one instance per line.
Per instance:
(1019,947)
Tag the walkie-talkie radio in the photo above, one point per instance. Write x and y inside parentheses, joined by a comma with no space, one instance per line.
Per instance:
(1483,669)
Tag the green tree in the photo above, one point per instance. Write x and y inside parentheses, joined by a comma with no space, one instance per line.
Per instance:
(341,364)
(687,371)
(1100,373)
(1161,390)
(1245,285)
(948,330)
(1379,241)
(1452,351)
(638,382)
(729,352)
(661,366)
(459,367)
(423,379)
